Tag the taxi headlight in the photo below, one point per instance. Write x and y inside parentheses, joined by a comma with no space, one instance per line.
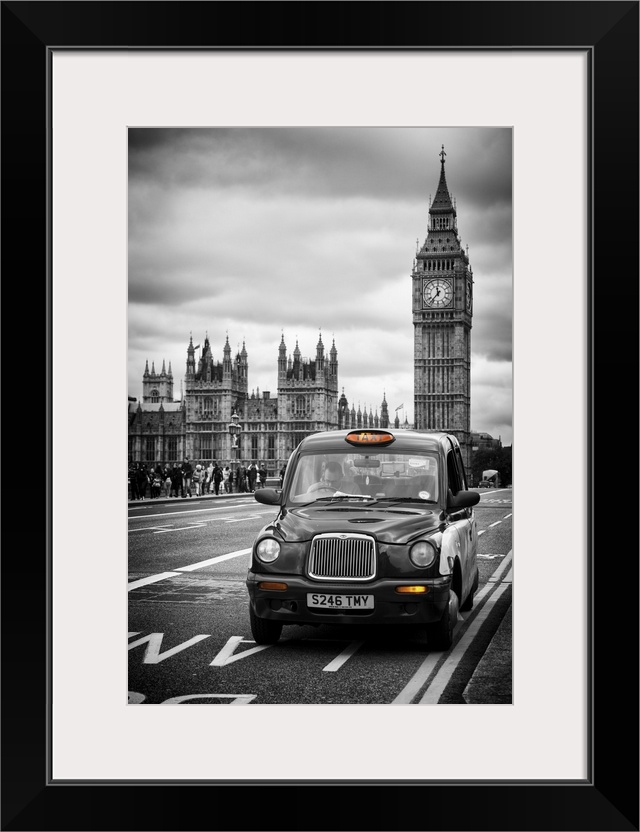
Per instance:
(268,550)
(423,553)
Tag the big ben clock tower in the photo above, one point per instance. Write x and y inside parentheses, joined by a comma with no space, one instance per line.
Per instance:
(442,303)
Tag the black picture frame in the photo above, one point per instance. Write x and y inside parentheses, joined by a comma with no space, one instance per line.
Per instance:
(608,799)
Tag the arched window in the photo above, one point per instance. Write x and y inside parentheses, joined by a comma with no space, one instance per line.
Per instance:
(155,396)
(208,405)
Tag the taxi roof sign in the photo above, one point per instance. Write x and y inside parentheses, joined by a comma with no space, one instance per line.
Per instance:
(369,437)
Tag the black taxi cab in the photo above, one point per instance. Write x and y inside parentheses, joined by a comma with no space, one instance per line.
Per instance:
(373,526)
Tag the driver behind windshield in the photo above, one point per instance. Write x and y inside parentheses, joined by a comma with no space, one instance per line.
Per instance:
(333,480)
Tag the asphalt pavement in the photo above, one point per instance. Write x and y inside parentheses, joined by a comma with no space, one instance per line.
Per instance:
(492,680)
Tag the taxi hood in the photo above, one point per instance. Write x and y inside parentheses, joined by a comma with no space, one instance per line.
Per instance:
(387,522)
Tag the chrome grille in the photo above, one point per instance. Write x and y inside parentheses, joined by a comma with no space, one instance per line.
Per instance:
(342,557)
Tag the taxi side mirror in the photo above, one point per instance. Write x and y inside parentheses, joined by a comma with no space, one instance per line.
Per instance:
(463,499)
(268,496)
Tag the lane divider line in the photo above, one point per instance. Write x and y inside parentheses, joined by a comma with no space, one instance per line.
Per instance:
(187,511)
(218,559)
(506,563)
(152,579)
(413,686)
(443,677)
(161,576)
(346,654)
(497,523)
(182,528)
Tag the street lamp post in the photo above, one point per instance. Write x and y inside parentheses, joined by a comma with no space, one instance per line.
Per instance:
(234,431)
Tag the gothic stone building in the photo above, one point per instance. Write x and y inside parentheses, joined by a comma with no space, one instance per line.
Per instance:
(442,286)
(197,427)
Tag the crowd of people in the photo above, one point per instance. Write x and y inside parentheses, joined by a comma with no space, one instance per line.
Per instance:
(188,480)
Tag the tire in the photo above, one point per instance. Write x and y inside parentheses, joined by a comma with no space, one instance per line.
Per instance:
(263,630)
(440,633)
(468,604)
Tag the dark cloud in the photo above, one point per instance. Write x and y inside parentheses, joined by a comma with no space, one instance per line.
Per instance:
(253,231)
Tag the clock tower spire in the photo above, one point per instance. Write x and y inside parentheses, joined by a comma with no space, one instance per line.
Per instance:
(442,282)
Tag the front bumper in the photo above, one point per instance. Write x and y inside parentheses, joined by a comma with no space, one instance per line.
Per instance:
(290,606)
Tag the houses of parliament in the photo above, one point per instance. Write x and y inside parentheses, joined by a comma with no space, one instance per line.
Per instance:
(307,398)
(197,426)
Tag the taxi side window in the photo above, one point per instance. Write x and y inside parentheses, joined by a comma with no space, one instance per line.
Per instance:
(453,474)
(461,474)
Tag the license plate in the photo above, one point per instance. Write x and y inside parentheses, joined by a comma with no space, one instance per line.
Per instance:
(333,602)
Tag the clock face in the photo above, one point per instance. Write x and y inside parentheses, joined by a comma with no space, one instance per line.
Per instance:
(469,301)
(437,293)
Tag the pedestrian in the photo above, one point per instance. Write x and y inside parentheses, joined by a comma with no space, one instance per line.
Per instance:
(155,476)
(133,480)
(217,478)
(176,481)
(197,479)
(166,478)
(142,480)
(262,475)
(187,475)
(209,480)
(282,473)
(226,476)
(252,473)
(241,478)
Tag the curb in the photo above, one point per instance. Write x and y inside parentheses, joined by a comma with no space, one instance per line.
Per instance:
(492,680)
(163,499)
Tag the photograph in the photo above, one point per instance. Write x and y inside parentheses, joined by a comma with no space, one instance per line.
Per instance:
(338,256)
(320,417)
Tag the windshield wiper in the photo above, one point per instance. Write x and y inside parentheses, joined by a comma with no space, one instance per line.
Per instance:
(364,497)
(406,500)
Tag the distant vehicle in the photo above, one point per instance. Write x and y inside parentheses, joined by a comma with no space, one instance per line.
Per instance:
(490,479)
(374,527)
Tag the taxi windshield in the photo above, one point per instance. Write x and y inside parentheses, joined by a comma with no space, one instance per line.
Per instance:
(383,475)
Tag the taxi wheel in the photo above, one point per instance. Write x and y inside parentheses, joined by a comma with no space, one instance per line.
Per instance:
(440,633)
(468,604)
(263,630)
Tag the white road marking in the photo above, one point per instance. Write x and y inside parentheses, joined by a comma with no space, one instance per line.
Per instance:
(148,529)
(152,579)
(427,667)
(182,528)
(152,654)
(497,523)
(239,520)
(225,656)
(506,563)
(490,557)
(482,532)
(346,654)
(506,517)
(434,691)
(217,559)
(134,698)
(236,698)
(188,511)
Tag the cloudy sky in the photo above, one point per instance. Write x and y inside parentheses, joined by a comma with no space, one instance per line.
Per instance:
(260,232)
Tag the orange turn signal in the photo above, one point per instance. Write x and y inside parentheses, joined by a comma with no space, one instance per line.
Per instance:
(412,590)
(272,585)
